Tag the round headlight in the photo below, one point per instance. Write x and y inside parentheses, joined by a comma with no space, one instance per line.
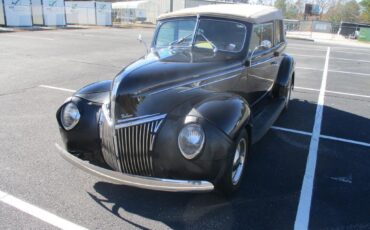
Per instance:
(191,140)
(69,116)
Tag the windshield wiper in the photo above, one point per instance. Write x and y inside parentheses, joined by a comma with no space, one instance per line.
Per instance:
(178,41)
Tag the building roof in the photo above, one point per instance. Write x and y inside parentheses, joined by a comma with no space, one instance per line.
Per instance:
(244,12)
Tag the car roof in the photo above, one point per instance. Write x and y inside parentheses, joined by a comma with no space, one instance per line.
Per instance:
(243,12)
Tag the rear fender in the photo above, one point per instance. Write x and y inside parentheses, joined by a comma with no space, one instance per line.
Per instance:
(285,74)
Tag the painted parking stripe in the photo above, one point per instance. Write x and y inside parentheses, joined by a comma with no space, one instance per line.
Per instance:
(345,140)
(333,51)
(339,139)
(333,92)
(291,130)
(332,71)
(304,205)
(332,58)
(29,37)
(57,88)
(38,212)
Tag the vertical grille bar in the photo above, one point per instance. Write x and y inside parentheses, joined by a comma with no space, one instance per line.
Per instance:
(134,144)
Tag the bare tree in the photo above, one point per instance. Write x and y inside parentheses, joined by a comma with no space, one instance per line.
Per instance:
(324,6)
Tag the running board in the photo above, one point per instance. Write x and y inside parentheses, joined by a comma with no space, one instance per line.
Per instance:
(265,119)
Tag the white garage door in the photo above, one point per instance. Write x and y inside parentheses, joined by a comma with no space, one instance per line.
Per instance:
(54,13)
(2,16)
(18,12)
(82,13)
(103,13)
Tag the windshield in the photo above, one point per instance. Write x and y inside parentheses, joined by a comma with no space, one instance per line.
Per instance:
(212,34)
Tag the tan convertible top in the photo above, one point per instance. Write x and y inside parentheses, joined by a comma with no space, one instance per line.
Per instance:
(244,12)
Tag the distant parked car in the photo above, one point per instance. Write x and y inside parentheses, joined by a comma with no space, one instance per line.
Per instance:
(184,116)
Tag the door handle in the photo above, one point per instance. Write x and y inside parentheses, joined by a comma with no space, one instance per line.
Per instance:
(274,63)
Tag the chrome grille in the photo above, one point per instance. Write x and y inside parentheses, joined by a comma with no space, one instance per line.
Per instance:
(133,144)
(107,143)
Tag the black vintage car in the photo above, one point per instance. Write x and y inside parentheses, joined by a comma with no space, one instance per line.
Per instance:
(184,116)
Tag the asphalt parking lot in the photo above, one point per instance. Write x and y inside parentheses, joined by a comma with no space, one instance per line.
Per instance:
(39,190)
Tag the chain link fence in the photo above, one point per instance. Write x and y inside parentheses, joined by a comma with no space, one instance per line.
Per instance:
(146,12)
(321,30)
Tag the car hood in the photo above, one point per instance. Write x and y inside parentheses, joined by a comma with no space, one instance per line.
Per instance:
(156,83)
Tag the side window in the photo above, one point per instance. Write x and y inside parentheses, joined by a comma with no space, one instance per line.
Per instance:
(261,32)
(279,33)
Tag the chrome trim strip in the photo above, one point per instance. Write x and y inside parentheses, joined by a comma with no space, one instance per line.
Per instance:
(197,80)
(140,120)
(152,183)
(260,63)
(209,83)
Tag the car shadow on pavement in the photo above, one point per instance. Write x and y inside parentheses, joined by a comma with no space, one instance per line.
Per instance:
(268,197)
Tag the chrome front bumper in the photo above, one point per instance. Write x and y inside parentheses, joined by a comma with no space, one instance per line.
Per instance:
(152,183)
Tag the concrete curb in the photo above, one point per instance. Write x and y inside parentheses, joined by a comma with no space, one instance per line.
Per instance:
(300,38)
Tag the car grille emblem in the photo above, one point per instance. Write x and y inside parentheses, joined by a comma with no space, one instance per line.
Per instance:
(125,115)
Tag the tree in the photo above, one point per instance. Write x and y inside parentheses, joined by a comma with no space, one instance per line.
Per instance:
(292,11)
(351,11)
(365,16)
(282,5)
(347,12)
(324,6)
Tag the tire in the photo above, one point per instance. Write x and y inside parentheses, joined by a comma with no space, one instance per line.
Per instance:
(231,180)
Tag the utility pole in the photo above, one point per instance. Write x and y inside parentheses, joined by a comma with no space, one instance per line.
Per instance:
(171,5)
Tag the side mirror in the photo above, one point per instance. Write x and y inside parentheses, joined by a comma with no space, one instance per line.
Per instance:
(140,39)
(266,44)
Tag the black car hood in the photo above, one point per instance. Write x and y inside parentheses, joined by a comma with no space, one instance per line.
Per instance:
(155,83)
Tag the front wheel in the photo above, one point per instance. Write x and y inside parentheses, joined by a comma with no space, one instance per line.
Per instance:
(231,180)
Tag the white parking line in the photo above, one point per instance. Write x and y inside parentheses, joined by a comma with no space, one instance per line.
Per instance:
(345,140)
(333,49)
(332,58)
(321,136)
(333,92)
(38,212)
(324,50)
(291,130)
(333,71)
(304,205)
(57,88)
(29,37)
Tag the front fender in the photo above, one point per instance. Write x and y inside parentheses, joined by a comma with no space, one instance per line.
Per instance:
(227,112)
(84,137)
(97,92)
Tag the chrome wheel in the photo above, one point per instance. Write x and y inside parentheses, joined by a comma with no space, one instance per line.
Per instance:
(239,160)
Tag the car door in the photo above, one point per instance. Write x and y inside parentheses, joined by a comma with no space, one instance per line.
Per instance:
(262,71)
(279,45)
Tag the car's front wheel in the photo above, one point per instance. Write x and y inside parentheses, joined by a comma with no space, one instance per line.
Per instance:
(232,178)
